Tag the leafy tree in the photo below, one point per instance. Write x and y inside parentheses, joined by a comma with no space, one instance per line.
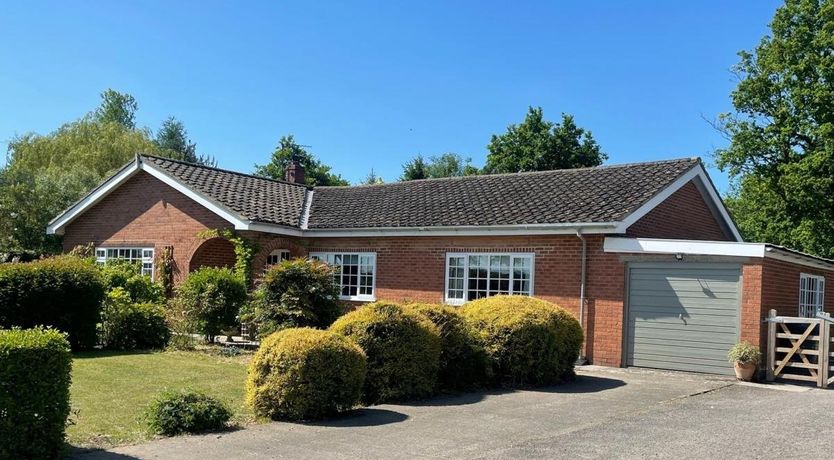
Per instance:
(540,145)
(172,138)
(415,169)
(316,172)
(446,165)
(118,108)
(781,151)
(372,179)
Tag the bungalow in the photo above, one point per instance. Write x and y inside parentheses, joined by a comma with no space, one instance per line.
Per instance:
(645,254)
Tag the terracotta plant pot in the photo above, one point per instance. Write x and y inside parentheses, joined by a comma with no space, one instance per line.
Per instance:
(745,371)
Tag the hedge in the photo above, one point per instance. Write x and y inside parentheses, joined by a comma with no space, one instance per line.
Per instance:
(35,367)
(463,361)
(528,341)
(213,297)
(177,412)
(126,325)
(402,348)
(305,374)
(64,292)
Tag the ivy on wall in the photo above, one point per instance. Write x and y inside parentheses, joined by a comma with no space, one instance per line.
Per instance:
(245,250)
(165,270)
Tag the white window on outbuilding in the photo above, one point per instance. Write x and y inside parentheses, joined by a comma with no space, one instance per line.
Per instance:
(811,294)
(471,276)
(142,256)
(355,273)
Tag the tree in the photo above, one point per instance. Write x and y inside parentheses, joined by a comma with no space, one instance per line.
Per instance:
(415,169)
(540,145)
(446,165)
(781,152)
(118,108)
(172,138)
(372,179)
(316,173)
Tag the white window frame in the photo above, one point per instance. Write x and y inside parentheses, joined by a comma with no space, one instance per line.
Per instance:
(280,253)
(811,298)
(513,255)
(102,257)
(329,255)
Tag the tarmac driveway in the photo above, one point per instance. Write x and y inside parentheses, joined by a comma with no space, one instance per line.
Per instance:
(621,413)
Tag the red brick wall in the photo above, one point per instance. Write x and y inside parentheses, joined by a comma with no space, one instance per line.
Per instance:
(215,252)
(684,215)
(145,212)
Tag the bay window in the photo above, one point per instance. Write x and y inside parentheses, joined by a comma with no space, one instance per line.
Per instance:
(355,273)
(471,276)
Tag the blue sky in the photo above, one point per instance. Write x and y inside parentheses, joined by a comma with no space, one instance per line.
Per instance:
(371,84)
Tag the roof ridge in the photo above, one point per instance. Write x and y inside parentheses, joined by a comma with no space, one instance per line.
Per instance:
(214,168)
(522,173)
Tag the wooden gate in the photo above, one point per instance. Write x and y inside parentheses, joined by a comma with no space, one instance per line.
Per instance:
(800,348)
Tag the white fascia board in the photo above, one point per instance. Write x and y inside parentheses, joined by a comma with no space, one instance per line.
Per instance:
(484,230)
(693,247)
(276,229)
(57,225)
(696,172)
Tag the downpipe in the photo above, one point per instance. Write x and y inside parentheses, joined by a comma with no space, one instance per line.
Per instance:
(582,360)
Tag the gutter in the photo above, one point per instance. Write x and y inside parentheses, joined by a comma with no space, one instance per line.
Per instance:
(582,360)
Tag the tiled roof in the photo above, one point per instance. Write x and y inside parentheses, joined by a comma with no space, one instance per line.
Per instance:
(587,195)
(253,198)
(601,194)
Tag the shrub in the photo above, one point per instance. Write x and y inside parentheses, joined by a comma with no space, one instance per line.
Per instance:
(294,293)
(463,361)
(402,348)
(305,374)
(126,325)
(64,292)
(128,275)
(528,341)
(35,369)
(212,297)
(744,353)
(177,412)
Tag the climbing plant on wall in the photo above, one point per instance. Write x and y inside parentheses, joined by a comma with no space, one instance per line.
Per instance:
(245,250)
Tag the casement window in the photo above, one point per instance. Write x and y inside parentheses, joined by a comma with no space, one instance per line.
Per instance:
(142,256)
(811,294)
(355,273)
(277,256)
(471,276)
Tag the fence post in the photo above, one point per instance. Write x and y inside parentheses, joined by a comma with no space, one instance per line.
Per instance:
(824,347)
(771,345)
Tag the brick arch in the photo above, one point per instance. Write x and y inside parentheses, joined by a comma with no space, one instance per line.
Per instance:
(268,244)
(213,252)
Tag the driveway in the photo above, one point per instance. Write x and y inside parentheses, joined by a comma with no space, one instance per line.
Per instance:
(623,413)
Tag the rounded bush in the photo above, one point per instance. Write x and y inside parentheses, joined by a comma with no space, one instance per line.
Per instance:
(463,361)
(119,273)
(64,292)
(35,367)
(402,348)
(294,293)
(528,340)
(305,374)
(132,326)
(177,412)
(212,297)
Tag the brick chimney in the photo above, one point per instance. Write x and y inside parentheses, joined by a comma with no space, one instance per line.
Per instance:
(294,172)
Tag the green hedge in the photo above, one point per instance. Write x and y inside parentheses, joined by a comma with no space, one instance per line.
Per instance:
(64,292)
(305,374)
(402,348)
(177,412)
(126,325)
(294,293)
(35,367)
(213,297)
(528,341)
(463,361)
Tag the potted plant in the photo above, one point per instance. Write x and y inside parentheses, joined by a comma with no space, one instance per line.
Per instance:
(745,359)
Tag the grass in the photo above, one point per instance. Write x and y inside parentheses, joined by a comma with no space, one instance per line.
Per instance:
(111,390)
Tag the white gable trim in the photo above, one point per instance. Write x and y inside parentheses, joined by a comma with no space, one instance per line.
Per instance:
(696,172)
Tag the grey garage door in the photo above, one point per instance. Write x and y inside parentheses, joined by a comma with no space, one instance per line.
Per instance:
(682,317)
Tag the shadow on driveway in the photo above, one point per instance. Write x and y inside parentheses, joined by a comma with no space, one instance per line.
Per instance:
(583,384)
(94,454)
(368,416)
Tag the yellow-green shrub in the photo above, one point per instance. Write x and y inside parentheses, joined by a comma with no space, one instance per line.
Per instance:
(305,374)
(463,361)
(528,340)
(403,350)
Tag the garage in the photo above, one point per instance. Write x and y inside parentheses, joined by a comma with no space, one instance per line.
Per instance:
(682,316)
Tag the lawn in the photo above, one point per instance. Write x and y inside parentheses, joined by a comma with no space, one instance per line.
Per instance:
(110,390)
